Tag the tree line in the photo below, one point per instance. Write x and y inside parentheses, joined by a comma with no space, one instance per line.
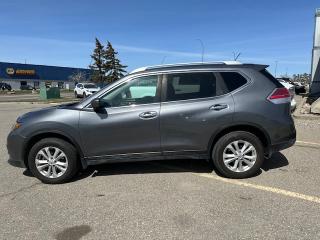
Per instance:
(106,66)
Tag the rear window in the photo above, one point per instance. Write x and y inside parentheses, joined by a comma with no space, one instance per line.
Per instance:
(233,80)
(268,75)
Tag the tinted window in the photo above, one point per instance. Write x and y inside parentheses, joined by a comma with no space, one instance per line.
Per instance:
(141,90)
(90,86)
(233,80)
(185,86)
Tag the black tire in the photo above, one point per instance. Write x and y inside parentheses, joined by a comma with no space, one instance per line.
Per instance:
(67,148)
(75,94)
(224,141)
(84,95)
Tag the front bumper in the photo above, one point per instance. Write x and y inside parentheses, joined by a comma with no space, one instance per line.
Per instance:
(15,146)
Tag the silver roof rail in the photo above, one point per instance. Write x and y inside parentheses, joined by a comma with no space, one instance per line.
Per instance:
(141,69)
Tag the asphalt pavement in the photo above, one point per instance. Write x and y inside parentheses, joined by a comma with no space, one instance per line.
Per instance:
(182,199)
(30,97)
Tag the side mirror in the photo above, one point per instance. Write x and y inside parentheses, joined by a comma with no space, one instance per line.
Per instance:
(97,105)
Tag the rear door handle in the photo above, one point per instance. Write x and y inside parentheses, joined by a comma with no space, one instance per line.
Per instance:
(148,115)
(218,107)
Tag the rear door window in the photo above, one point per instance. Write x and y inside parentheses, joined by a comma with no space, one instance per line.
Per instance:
(184,86)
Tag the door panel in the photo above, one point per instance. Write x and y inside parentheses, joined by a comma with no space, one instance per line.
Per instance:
(196,105)
(129,123)
(189,125)
(120,131)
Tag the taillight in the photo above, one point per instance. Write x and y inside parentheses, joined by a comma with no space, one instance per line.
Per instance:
(280,95)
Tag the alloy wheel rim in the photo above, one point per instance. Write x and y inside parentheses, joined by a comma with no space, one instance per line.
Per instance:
(51,162)
(239,156)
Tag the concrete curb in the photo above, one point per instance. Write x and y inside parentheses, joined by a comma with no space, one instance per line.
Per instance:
(39,102)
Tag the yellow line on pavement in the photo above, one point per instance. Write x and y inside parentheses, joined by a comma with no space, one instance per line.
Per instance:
(308,143)
(261,187)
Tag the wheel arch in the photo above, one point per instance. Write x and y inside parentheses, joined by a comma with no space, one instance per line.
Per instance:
(256,130)
(52,134)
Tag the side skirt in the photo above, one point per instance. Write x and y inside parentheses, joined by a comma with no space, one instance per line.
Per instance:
(137,157)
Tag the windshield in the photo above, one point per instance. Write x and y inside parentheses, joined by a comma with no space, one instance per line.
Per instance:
(90,86)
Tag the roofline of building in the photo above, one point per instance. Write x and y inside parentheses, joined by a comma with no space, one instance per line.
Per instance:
(41,65)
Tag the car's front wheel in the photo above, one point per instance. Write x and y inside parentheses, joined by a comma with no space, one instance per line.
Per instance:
(238,154)
(53,160)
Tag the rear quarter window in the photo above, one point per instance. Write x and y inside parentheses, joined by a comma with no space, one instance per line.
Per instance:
(233,80)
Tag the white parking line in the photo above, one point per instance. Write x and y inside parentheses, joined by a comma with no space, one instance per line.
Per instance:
(279,191)
(261,187)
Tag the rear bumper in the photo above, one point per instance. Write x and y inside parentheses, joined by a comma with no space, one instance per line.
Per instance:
(15,147)
(281,145)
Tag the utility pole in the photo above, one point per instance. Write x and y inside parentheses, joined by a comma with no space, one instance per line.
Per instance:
(202,46)
(315,73)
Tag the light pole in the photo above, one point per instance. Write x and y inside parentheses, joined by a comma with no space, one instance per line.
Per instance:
(202,46)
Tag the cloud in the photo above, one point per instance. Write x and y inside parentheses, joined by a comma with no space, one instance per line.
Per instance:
(85,47)
(166,52)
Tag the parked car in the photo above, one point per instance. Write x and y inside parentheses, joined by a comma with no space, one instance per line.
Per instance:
(5,86)
(298,87)
(26,87)
(85,89)
(291,89)
(230,113)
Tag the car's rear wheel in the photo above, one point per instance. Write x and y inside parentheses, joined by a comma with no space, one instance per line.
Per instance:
(238,154)
(84,95)
(53,160)
(75,94)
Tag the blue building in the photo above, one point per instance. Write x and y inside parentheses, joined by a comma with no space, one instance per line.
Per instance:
(17,75)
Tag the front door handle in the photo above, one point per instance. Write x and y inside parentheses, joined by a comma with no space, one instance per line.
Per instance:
(148,115)
(218,107)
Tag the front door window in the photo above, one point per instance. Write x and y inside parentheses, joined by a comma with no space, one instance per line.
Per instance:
(141,90)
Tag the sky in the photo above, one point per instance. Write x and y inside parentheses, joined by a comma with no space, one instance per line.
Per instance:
(62,33)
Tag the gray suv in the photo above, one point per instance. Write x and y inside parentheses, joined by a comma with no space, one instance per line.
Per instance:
(233,114)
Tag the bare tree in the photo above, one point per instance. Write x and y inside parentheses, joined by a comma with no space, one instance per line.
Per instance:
(77,77)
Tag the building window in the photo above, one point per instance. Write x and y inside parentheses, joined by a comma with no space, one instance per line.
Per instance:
(36,84)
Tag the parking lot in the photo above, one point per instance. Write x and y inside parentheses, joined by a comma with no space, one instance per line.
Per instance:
(182,199)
